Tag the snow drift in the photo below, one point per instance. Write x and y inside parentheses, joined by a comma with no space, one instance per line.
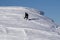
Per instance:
(13,26)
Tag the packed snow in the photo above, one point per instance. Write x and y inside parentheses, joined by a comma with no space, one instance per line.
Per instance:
(13,26)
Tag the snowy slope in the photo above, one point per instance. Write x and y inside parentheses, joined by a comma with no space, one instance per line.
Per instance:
(13,26)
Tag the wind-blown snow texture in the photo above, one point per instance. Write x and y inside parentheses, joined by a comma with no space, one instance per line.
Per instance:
(13,26)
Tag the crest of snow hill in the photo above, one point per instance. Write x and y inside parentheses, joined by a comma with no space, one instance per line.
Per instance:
(13,26)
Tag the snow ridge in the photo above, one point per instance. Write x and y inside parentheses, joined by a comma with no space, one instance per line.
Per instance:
(13,26)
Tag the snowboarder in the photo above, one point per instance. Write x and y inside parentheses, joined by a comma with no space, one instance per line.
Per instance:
(26,16)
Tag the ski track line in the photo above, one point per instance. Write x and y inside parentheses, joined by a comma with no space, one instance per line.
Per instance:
(38,23)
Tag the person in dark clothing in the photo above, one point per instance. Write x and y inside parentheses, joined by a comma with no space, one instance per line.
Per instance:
(26,16)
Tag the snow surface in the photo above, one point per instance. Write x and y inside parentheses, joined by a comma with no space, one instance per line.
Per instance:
(13,26)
